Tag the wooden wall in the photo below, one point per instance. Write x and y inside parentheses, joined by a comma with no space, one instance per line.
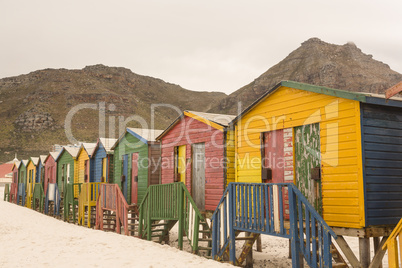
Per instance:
(340,144)
(82,157)
(189,131)
(65,159)
(128,145)
(50,172)
(155,164)
(96,163)
(382,152)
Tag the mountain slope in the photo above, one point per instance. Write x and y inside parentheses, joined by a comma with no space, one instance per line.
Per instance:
(34,107)
(316,62)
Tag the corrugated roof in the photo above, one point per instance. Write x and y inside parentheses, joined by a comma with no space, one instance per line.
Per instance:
(89,147)
(221,119)
(35,160)
(107,143)
(42,158)
(146,134)
(73,151)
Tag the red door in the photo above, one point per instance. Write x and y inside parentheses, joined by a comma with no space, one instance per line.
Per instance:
(274,155)
(134,178)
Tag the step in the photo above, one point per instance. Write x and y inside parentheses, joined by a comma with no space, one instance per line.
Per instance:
(339,265)
(205,231)
(159,224)
(205,239)
(204,248)
(245,238)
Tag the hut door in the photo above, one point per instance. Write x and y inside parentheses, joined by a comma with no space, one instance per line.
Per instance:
(181,165)
(308,163)
(273,169)
(198,175)
(86,171)
(124,177)
(134,178)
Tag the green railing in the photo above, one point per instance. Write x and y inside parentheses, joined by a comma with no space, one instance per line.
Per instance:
(38,196)
(71,200)
(170,202)
(6,193)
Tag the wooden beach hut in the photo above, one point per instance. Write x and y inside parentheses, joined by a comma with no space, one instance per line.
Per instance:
(136,160)
(102,160)
(50,170)
(198,150)
(67,171)
(82,170)
(341,149)
(22,181)
(31,177)
(14,184)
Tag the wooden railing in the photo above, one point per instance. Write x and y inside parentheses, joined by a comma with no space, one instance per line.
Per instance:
(69,199)
(170,202)
(6,193)
(391,245)
(87,198)
(258,208)
(111,198)
(52,195)
(21,194)
(38,196)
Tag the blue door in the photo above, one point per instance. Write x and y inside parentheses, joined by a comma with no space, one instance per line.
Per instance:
(125,173)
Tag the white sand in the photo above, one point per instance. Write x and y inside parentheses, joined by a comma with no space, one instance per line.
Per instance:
(31,239)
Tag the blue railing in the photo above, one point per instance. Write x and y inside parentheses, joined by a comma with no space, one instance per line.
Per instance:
(21,193)
(278,209)
(52,194)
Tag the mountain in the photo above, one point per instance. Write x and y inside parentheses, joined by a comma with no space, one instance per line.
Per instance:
(35,108)
(319,63)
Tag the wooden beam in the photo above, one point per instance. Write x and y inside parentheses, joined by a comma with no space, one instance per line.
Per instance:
(364,251)
(379,255)
(393,90)
(364,232)
(350,256)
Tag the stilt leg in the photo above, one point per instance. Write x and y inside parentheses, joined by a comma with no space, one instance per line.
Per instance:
(364,250)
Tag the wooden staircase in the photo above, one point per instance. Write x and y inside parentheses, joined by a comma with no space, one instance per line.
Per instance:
(165,205)
(258,208)
(70,202)
(87,200)
(113,213)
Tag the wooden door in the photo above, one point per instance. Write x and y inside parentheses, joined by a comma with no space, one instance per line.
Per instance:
(198,175)
(86,171)
(308,163)
(181,168)
(125,173)
(134,178)
(273,152)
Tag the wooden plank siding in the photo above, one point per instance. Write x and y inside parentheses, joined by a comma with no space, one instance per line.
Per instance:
(97,163)
(190,131)
(50,172)
(230,157)
(130,144)
(22,173)
(64,159)
(81,160)
(155,164)
(382,151)
(340,145)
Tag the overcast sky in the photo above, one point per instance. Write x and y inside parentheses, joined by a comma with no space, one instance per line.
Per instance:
(200,45)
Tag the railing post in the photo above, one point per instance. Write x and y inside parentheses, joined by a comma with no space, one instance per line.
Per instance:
(181,215)
(295,242)
(117,213)
(232,242)
(196,234)
(214,251)
(149,235)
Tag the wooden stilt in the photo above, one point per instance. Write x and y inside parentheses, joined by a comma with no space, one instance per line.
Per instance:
(376,241)
(249,258)
(259,244)
(364,251)
(379,253)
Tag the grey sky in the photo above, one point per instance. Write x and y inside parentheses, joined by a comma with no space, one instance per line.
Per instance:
(200,45)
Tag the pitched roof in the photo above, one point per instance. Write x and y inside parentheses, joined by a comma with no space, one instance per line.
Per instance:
(89,147)
(378,99)
(5,169)
(54,155)
(143,134)
(107,143)
(218,121)
(35,160)
(42,158)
